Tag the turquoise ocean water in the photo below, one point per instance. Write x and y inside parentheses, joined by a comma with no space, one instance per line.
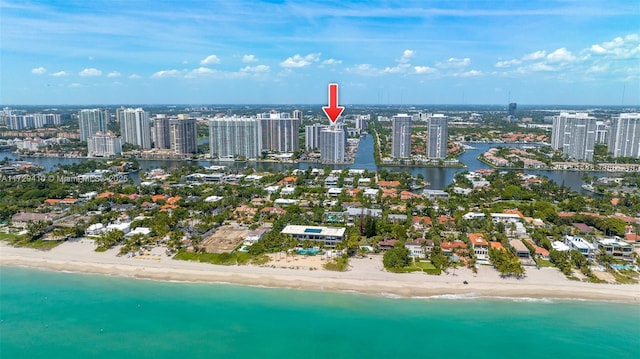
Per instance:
(60,315)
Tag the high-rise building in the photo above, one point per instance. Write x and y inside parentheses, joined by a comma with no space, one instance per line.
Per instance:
(92,121)
(361,122)
(602,132)
(624,137)
(135,127)
(103,145)
(279,132)
(183,133)
(161,133)
(312,136)
(401,136)
(233,137)
(297,114)
(574,134)
(438,134)
(513,107)
(332,144)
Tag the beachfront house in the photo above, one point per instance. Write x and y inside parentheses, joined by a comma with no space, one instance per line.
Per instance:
(419,248)
(580,244)
(329,236)
(521,249)
(479,246)
(617,249)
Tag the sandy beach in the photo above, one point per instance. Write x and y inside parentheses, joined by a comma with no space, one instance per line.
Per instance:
(365,276)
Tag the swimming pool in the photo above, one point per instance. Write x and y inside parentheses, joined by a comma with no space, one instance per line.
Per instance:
(622,266)
(311,252)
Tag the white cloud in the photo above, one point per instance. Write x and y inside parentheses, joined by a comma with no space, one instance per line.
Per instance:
(249,58)
(166,73)
(90,72)
(300,61)
(256,69)
(113,74)
(561,55)
(396,69)
(38,70)
(199,72)
(454,63)
(470,73)
(135,76)
(618,48)
(75,84)
(425,70)
(331,62)
(541,66)
(598,49)
(210,60)
(535,55)
(364,70)
(598,68)
(60,73)
(406,56)
(508,63)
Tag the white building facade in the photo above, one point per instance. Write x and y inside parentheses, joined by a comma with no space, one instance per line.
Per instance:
(401,136)
(135,127)
(624,135)
(437,136)
(233,137)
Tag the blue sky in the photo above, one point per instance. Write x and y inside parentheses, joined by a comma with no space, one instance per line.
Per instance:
(286,52)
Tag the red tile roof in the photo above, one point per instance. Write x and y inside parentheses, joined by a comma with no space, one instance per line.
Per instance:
(388,183)
(477,239)
(422,219)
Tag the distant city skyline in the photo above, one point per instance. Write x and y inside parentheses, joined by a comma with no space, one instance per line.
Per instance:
(258,52)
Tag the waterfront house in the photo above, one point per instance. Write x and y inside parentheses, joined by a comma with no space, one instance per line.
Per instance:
(329,236)
(435,194)
(496,245)
(21,219)
(456,246)
(479,246)
(419,248)
(617,249)
(255,235)
(386,244)
(542,253)
(580,244)
(521,249)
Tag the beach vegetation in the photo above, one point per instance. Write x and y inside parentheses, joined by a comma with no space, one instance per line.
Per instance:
(396,258)
(18,240)
(108,240)
(339,264)
(506,262)
(234,258)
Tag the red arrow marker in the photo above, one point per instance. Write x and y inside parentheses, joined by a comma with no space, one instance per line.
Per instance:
(333,111)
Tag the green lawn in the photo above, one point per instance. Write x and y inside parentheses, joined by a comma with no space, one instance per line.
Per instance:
(544,263)
(425,265)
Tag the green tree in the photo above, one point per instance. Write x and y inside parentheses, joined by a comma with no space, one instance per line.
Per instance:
(396,258)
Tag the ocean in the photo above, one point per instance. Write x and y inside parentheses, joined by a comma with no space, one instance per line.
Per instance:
(63,315)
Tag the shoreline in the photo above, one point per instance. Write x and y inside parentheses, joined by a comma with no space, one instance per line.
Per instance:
(365,277)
